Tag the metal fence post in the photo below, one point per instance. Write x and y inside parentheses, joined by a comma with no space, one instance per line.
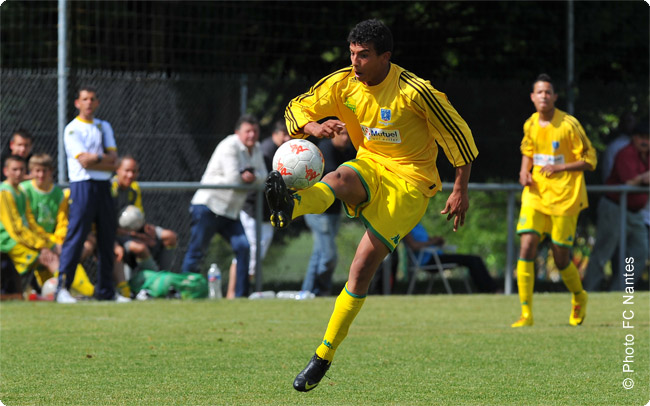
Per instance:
(258,239)
(622,242)
(62,74)
(510,248)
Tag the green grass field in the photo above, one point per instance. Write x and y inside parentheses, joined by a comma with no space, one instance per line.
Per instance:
(401,350)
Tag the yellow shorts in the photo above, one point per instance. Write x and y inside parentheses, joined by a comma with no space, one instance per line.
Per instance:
(393,207)
(562,229)
(23,258)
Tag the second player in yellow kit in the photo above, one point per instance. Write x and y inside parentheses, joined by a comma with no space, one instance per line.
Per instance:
(555,153)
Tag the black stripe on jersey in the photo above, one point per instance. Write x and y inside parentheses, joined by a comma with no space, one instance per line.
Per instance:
(323,80)
(288,114)
(573,122)
(442,115)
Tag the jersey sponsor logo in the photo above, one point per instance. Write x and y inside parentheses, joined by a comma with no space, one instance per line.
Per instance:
(545,159)
(385,115)
(349,103)
(381,135)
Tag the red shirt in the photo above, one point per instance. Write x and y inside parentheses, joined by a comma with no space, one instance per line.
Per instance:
(628,164)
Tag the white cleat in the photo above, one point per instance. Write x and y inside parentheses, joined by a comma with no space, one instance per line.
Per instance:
(65,297)
(121,299)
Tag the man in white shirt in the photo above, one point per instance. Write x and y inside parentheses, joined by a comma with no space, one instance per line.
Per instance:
(91,154)
(237,160)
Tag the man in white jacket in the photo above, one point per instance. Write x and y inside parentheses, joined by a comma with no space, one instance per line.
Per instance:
(237,160)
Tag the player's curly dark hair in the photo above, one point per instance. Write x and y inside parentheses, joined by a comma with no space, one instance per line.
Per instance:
(372,32)
(544,77)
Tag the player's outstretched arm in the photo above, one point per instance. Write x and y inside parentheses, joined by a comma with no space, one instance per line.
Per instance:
(458,201)
(326,130)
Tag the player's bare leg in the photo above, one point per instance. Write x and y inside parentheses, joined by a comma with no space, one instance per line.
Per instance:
(526,278)
(571,278)
(370,253)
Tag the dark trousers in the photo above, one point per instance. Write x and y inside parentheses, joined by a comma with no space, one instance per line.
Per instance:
(91,202)
(205,224)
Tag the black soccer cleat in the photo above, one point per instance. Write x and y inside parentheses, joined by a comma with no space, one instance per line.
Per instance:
(309,377)
(279,200)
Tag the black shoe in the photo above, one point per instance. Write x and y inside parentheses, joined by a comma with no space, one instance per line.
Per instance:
(309,377)
(279,200)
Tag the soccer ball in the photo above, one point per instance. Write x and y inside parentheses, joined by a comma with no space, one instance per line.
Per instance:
(300,163)
(49,288)
(131,218)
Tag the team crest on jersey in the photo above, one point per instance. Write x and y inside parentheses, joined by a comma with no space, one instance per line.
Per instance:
(556,144)
(385,115)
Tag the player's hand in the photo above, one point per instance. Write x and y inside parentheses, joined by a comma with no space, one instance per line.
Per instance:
(86,159)
(150,230)
(525,178)
(456,206)
(328,129)
(548,170)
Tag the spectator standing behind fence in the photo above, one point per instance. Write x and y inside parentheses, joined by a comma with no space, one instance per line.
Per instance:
(20,144)
(91,155)
(237,160)
(418,238)
(23,243)
(152,247)
(247,216)
(630,168)
(324,227)
(558,151)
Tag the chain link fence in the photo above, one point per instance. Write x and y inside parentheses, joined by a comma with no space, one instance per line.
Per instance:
(172,78)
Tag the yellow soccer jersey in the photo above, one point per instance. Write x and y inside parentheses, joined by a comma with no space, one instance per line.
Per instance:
(124,197)
(398,123)
(563,141)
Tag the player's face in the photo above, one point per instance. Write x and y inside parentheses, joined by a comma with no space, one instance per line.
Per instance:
(543,97)
(248,134)
(14,171)
(369,67)
(127,173)
(42,176)
(87,103)
(20,146)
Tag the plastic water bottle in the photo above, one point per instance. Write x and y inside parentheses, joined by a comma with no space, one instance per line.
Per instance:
(295,294)
(214,282)
(267,294)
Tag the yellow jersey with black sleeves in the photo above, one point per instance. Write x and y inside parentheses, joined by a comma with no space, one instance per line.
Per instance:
(123,197)
(562,141)
(398,123)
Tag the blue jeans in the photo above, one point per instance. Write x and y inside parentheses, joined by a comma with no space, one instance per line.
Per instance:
(322,263)
(204,225)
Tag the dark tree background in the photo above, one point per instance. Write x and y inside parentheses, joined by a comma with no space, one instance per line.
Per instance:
(484,54)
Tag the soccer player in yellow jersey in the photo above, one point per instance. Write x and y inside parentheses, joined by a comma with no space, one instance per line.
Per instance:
(396,121)
(558,151)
